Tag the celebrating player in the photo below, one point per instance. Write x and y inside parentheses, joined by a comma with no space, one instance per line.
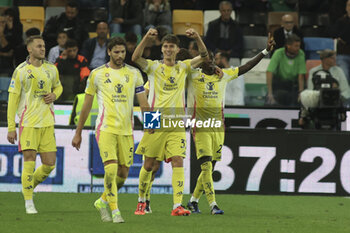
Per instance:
(115,85)
(206,93)
(35,85)
(167,81)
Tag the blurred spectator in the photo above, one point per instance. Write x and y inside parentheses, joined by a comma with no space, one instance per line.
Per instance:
(183,54)
(318,6)
(193,48)
(55,52)
(341,31)
(234,94)
(73,71)
(287,28)
(68,22)
(95,49)
(11,30)
(224,34)
(285,73)
(153,51)
(126,16)
(336,10)
(328,59)
(21,52)
(131,43)
(157,13)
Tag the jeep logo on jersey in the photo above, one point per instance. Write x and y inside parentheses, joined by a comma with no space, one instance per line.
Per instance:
(41,84)
(118,88)
(210,86)
(126,78)
(171,79)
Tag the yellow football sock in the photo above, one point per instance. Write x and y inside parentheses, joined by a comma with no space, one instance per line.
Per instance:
(207,181)
(198,190)
(120,182)
(41,173)
(178,181)
(104,196)
(148,192)
(27,179)
(144,181)
(110,185)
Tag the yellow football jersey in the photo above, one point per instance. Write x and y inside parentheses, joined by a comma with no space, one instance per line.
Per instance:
(167,85)
(32,83)
(115,90)
(206,93)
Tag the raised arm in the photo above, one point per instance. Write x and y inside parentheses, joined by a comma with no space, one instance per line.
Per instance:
(83,116)
(196,61)
(137,55)
(255,60)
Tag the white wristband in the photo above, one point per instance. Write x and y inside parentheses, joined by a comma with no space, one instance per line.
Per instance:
(265,52)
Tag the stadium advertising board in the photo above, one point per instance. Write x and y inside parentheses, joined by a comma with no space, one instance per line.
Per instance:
(282,162)
(78,171)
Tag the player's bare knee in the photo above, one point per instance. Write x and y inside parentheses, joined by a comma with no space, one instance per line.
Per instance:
(148,163)
(123,171)
(177,161)
(29,155)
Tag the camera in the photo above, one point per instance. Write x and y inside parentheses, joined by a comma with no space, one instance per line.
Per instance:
(322,107)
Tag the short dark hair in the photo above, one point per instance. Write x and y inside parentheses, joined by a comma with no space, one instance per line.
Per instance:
(171,38)
(71,43)
(130,37)
(225,55)
(183,54)
(61,31)
(30,39)
(32,32)
(116,41)
(292,38)
(73,4)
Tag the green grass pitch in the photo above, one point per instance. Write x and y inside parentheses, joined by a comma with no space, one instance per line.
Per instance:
(74,213)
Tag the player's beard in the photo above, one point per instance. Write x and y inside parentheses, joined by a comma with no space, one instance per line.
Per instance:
(119,62)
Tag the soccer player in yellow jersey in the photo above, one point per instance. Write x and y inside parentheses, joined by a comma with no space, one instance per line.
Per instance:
(206,93)
(115,85)
(35,85)
(166,91)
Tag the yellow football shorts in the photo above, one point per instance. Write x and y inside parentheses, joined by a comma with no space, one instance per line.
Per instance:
(163,145)
(209,143)
(116,147)
(38,139)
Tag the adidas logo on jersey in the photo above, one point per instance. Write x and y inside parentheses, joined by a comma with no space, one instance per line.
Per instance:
(108,81)
(31,76)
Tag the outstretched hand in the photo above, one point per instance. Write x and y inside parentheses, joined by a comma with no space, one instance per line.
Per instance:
(270,42)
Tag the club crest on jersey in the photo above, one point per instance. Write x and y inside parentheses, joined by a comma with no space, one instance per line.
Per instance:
(41,84)
(210,86)
(171,79)
(118,88)
(126,78)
